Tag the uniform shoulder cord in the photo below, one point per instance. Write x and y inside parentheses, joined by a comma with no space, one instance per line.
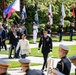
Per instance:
(62,66)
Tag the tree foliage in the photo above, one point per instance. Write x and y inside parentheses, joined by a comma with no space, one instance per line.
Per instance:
(42,10)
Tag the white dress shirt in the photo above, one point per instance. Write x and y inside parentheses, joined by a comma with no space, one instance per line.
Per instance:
(24,46)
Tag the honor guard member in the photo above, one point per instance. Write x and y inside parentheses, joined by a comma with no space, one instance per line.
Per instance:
(46,43)
(60,31)
(3,67)
(64,65)
(71,30)
(73,60)
(25,65)
(35,31)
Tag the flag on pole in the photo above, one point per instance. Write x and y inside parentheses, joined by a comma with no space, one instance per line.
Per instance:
(50,14)
(13,7)
(62,14)
(24,15)
(3,8)
(36,15)
(73,11)
(63,11)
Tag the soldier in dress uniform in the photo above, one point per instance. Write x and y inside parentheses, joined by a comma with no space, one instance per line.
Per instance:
(46,43)
(73,60)
(25,65)
(64,65)
(60,31)
(35,31)
(3,67)
(71,30)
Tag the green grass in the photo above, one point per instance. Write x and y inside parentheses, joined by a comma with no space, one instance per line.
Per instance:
(55,39)
(7,41)
(34,52)
(15,64)
(55,51)
(72,74)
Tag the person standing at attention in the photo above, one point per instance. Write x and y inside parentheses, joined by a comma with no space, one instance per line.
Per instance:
(35,31)
(64,65)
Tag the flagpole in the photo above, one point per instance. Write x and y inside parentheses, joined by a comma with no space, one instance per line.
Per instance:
(74,3)
(3,8)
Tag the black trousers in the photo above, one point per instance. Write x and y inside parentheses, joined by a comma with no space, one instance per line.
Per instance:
(60,37)
(3,44)
(23,56)
(71,35)
(45,56)
(13,46)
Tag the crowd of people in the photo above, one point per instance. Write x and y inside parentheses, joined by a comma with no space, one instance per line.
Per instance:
(14,35)
(63,66)
(20,45)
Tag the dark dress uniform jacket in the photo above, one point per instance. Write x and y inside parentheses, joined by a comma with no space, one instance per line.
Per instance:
(60,29)
(34,72)
(46,43)
(4,74)
(64,66)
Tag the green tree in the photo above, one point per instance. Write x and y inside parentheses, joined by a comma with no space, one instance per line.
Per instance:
(42,10)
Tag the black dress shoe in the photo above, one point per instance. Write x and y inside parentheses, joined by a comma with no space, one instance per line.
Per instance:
(42,70)
(10,58)
(45,70)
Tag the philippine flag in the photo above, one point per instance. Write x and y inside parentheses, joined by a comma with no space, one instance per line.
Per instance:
(14,7)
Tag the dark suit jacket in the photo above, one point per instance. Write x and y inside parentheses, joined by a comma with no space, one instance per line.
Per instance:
(12,38)
(3,34)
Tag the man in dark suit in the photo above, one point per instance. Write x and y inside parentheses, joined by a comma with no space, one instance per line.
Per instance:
(13,40)
(1,30)
(25,67)
(64,65)
(71,30)
(46,43)
(4,39)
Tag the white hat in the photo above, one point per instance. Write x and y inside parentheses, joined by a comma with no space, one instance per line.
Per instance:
(72,57)
(24,62)
(4,64)
(63,47)
(57,72)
